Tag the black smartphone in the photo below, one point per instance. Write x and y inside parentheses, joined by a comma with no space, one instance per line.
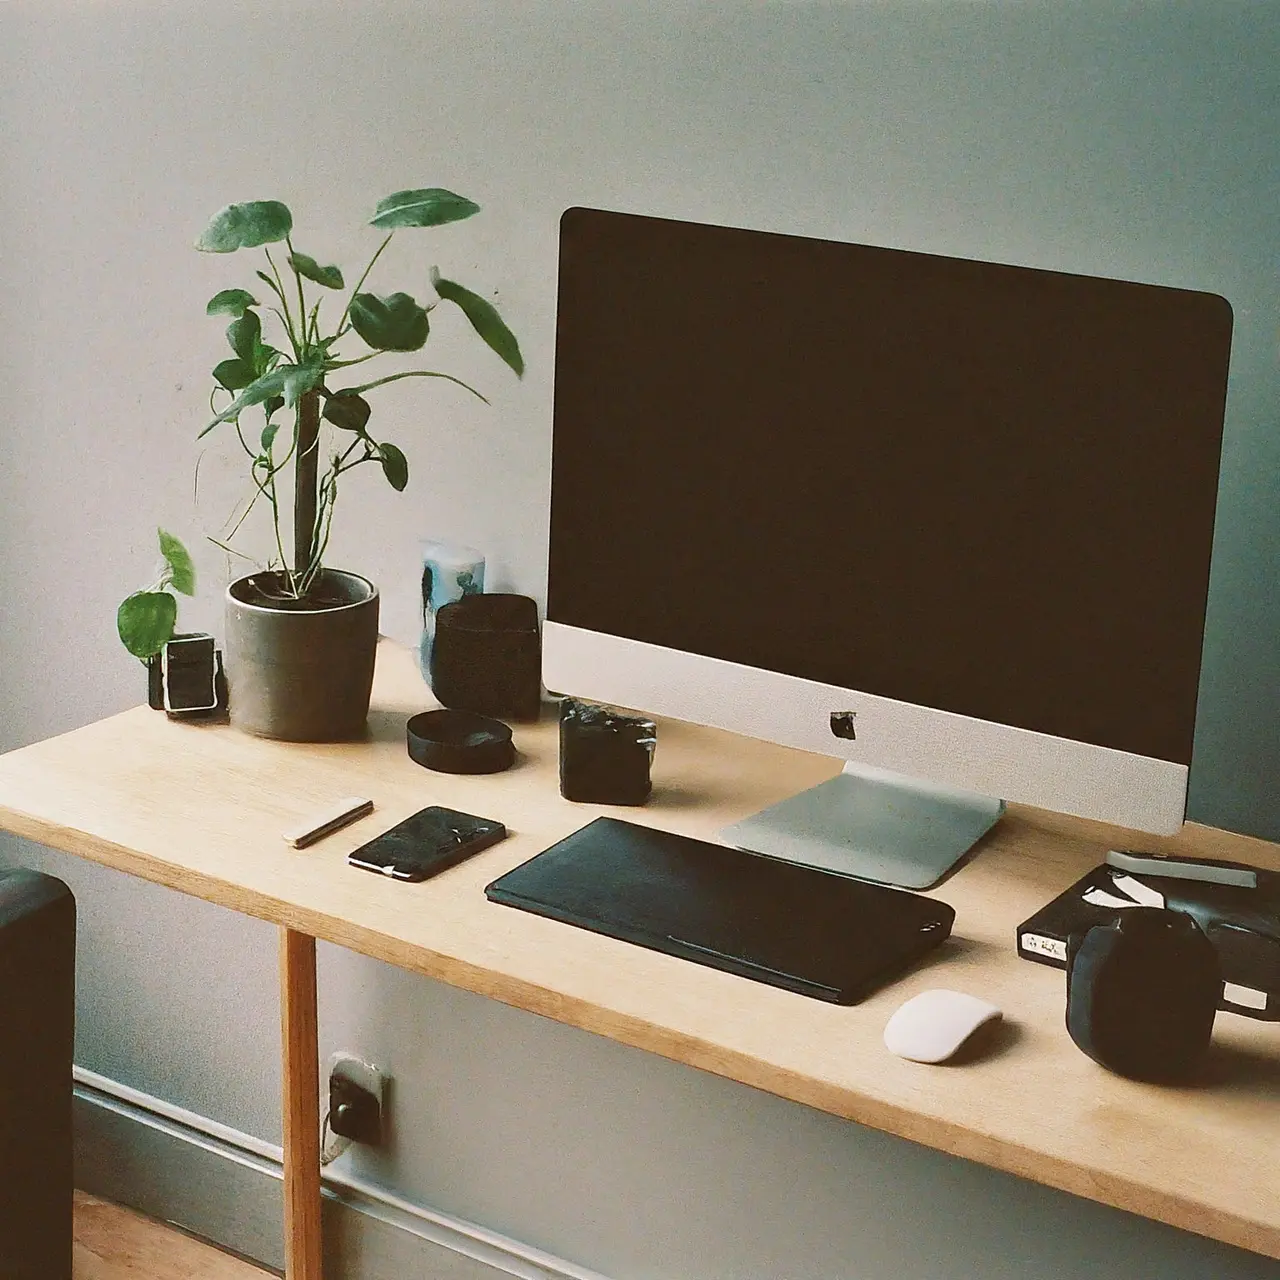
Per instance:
(431,841)
(188,673)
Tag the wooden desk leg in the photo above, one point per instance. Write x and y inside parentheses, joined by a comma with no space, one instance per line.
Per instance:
(300,1082)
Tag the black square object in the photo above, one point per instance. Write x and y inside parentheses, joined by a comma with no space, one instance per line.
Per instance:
(605,756)
(155,683)
(487,656)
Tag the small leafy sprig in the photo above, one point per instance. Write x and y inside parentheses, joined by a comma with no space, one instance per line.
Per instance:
(298,379)
(145,619)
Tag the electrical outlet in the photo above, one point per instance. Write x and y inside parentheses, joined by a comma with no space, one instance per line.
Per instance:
(357,1094)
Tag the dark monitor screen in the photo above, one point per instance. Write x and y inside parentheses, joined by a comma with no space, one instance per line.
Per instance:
(982,488)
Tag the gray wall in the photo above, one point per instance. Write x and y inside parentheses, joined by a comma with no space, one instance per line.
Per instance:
(1138,142)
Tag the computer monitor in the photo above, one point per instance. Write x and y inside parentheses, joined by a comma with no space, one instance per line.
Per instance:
(949,521)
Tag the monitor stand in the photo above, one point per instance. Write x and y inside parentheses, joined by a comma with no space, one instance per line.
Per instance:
(872,824)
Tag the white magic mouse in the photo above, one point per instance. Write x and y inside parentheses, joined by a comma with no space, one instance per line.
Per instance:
(930,1027)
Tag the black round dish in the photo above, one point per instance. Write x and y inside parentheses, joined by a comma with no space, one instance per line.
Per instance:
(450,741)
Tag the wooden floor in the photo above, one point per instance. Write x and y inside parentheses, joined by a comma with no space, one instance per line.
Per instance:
(114,1243)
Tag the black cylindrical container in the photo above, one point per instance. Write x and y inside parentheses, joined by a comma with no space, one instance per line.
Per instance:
(37,1033)
(487,656)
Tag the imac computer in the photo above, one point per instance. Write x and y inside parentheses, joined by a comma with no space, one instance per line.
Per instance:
(947,521)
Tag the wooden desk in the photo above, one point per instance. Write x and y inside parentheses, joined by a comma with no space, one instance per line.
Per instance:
(201,809)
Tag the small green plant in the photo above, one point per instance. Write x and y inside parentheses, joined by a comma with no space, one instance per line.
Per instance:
(299,378)
(145,619)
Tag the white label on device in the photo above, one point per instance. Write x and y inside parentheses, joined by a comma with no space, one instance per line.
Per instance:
(1246,997)
(1050,947)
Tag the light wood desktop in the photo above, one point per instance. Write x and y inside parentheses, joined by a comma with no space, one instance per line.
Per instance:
(201,808)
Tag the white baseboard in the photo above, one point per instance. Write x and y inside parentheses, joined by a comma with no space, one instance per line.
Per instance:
(227,1186)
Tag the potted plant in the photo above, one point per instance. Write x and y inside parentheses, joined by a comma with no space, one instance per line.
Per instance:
(301,636)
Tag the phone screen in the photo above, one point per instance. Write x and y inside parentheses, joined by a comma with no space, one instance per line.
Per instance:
(430,841)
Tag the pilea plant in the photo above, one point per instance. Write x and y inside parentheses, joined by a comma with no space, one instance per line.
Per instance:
(300,377)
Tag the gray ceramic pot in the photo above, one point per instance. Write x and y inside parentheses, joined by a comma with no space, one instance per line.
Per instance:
(301,675)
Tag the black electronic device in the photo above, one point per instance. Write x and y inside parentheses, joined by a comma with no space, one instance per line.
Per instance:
(1142,992)
(1237,906)
(605,756)
(431,841)
(188,673)
(803,929)
(958,497)
(185,679)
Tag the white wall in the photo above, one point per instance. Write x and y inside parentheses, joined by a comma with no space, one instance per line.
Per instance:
(1139,143)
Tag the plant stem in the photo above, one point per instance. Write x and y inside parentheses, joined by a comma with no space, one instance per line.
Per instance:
(346,364)
(227,548)
(302,303)
(346,466)
(414,373)
(326,517)
(275,518)
(306,476)
(244,515)
(284,302)
(363,278)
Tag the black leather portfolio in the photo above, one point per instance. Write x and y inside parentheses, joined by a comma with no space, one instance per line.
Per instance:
(806,930)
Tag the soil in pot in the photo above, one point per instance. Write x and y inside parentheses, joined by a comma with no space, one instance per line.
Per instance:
(267,591)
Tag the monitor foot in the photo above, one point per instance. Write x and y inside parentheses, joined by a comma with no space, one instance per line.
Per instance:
(874,825)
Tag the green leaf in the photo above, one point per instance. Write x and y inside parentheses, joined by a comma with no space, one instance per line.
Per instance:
(395,323)
(246,226)
(428,207)
(394,466)
(308,267)
(268,437)
(272,403)
(182,573)
(230,302)
(347,410)
(270,384)
(484,318)
(145,621)
(244,334)
(235,374)
(298,380)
